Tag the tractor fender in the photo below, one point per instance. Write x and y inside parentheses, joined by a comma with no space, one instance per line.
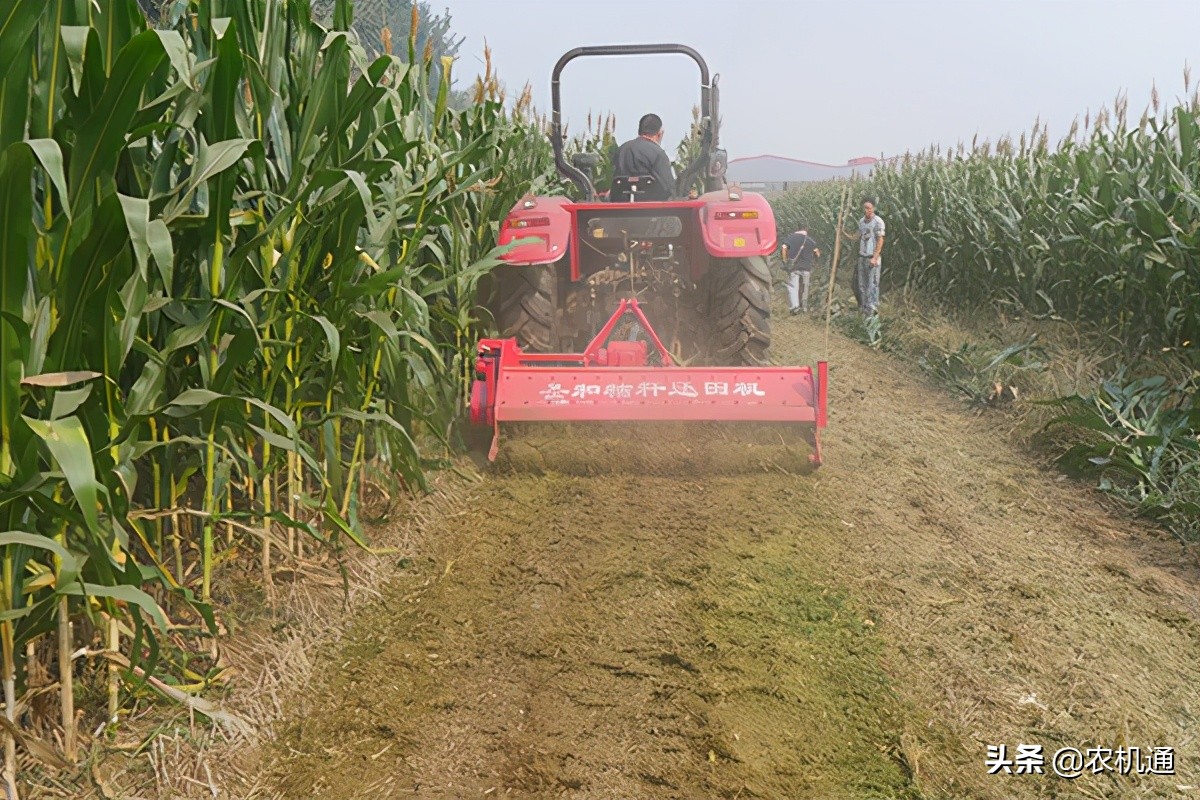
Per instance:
(546,221)
(730,236)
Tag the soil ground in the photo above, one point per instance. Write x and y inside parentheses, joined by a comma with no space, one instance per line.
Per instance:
(692,613)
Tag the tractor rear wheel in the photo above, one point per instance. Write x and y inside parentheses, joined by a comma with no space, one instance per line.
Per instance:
(739,302)
(526,300)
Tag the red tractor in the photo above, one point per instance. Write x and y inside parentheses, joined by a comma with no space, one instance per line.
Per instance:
(624,309)
(697,264)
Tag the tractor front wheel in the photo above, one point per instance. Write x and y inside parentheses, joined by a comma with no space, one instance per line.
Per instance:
(526,301)
(739,302)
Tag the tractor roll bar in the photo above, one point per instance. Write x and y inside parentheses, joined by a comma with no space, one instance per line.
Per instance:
(556,139)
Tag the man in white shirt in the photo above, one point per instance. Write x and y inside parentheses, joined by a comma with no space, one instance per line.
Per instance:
(870,248)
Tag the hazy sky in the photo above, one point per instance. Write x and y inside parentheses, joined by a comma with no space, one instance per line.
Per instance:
(828,81)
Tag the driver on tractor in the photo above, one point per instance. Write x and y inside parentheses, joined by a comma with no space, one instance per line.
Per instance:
(645,156)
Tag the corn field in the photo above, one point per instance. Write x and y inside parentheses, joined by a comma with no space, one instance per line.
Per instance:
(1103,230)
(238,264)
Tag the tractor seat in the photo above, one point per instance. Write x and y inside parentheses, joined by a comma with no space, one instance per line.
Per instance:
(636,188)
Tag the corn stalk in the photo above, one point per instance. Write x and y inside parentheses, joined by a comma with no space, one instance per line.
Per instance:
(205,231)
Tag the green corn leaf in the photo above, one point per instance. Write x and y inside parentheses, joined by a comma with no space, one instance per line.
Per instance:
(72,452)
(158,236)
(186,336)
(177,53)
(18,21)
(101,136)
(74,40)
(290,445)
(133,304)
(384,322)
(70,563)
(143,396)
(68,401)
(196,398)
(212,162)
(130,595)
(334,518)
(16,209)
(137,222)
(50,156)
(83,295)
(332,336)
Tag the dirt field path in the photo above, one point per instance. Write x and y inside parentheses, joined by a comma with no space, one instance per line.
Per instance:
(675,617)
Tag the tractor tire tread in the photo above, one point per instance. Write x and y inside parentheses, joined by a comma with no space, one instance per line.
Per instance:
(740,305)
(527,306)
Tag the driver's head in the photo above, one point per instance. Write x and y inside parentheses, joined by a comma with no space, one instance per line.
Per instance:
(651,127)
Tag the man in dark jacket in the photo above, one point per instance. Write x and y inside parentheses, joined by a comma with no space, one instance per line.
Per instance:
(645,156)
(799,251)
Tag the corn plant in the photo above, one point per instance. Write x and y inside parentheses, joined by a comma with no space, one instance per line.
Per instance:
(815,207)
(871,331)
(1143,445)
(1103,229)
(237,263)
(980,375)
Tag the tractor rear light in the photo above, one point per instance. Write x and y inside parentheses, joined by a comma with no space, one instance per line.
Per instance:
(736,215)
(530,222)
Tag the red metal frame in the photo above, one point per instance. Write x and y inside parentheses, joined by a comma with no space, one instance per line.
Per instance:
(574,208)
(560,231)
(640,205)
(514,386)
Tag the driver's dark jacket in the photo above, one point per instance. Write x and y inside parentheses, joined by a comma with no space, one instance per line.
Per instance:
(641,156)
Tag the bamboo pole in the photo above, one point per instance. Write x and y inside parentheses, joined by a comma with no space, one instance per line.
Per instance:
(837,251)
